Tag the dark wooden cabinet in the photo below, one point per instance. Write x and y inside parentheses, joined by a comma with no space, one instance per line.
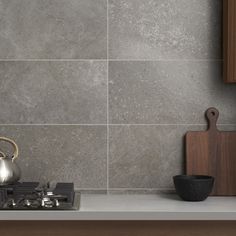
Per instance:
(229,41)
(117,228)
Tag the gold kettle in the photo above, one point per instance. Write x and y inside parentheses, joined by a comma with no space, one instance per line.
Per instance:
(9,170)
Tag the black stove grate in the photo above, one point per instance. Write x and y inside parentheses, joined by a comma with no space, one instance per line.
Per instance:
(66,189)
(32,195)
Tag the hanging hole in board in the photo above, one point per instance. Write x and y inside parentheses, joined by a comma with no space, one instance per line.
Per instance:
(213,113)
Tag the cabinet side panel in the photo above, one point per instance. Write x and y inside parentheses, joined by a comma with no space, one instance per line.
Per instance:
(229,37)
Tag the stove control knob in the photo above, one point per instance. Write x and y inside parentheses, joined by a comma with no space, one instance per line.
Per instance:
(11,203)
(56,203)
(27,203)
(46,202)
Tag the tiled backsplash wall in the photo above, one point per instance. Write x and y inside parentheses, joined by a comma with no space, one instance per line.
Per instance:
(101,92)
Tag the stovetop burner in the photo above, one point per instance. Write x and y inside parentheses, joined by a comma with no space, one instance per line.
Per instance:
(35,196)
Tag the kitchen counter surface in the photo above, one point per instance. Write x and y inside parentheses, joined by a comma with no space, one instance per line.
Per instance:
(136,207)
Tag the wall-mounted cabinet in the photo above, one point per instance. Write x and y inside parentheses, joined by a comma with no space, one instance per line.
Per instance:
(229,41)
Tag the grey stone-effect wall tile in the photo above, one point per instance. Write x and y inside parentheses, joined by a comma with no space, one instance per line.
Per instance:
(53,92)
(42,29)
(60,153)
(168,92)
(147,156)
(165,29)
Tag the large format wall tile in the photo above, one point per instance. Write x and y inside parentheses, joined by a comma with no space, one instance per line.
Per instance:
(147,156)
(53,92)
(61,153)
(53,29)
(168,92)
(165,29)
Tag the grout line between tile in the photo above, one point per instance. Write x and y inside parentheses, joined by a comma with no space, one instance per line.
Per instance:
(102,189)
(118,60)
(108,148)
(169,60)
(79,60)
(163,189)
(127,189)
(172,124)
(46,124)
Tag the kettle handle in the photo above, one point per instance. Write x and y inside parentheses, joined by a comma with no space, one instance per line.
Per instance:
(3,154)
(16,149)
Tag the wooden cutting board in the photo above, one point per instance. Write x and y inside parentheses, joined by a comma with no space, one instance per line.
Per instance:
(213,152)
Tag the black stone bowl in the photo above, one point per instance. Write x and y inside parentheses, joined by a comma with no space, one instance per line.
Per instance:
(193,187)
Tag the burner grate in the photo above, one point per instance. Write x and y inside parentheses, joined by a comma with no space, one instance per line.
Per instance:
(33,196)
(66,189)
(3,197)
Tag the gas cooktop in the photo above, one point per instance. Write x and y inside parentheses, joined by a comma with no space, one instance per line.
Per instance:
(36,196)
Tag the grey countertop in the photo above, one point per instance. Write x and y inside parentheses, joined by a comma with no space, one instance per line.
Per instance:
(136,207)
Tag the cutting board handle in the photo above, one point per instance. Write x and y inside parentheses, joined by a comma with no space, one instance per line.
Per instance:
(212,115)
